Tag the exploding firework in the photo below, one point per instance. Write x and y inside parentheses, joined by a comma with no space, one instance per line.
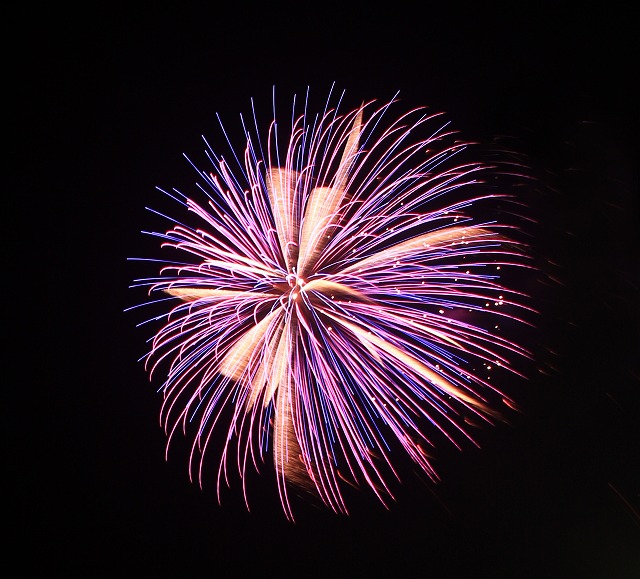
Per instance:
(337,298)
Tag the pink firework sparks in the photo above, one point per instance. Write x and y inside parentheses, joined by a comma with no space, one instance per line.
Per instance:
(327,293)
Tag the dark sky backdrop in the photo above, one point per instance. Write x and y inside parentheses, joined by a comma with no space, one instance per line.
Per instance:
(105,101)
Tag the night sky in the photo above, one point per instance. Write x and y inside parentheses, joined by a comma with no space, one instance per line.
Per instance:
(104,101)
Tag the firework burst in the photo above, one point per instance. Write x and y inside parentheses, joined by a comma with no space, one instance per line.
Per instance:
(326,295)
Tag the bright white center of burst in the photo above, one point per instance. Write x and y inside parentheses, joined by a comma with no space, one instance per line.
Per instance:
(293,280)
(295,283)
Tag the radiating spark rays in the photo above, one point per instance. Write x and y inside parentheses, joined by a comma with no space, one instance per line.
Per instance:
(330,304)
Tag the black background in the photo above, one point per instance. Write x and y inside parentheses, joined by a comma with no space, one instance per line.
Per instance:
(103,101)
